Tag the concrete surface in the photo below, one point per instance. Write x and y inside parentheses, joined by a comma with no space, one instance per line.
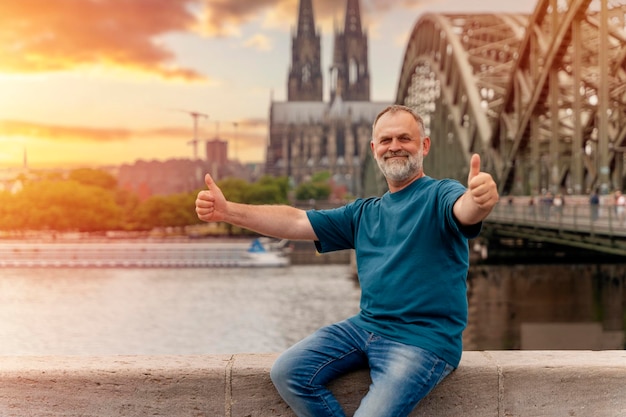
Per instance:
(491,383)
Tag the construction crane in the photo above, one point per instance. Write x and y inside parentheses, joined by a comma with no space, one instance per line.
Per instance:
(195,140)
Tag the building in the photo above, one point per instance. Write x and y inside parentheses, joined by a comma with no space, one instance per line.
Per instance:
(309,135)
(217,152)
(173,176)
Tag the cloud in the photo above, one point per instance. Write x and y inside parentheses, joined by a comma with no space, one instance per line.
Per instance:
(17,128)
(253,123)
(383,6)
(42,35)
(259,42)
(67,133)
(222,17)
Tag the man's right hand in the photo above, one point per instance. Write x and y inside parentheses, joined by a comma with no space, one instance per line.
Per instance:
(211,203)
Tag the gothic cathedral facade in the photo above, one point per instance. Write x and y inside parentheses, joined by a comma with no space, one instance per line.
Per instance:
(308,135)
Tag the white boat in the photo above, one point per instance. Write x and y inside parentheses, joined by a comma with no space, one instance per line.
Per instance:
(258,253)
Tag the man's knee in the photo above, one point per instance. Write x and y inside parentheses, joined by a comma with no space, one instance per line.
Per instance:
(278,371)
(284,369)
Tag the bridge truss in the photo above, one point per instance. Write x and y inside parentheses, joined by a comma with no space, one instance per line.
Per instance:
(542,98)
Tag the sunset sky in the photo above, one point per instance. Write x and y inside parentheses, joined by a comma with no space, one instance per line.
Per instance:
(97,82)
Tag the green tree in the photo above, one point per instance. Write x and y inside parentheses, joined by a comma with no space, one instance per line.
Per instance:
(128,202)
(90,200)
(98,178)
(281,183)
(268,190)
(234,189)
(322,176)
(318,188)
(177,210)
(66,206)
(10,216)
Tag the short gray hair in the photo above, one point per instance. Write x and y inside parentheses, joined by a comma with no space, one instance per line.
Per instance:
(394,108)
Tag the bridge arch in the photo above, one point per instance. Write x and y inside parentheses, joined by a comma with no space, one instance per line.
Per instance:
(455,73)
(542,97)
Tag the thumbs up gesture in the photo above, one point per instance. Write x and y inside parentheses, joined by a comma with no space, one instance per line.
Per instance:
(481,186)
(211,203)
(479,199)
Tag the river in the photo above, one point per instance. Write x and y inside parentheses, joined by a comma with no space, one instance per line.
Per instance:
(106,311)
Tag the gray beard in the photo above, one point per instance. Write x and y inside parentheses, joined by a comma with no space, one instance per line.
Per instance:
(398,170)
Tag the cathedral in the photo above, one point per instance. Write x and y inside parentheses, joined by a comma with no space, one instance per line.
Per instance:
(308,135)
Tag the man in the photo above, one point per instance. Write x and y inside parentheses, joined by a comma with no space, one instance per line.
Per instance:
(412,258)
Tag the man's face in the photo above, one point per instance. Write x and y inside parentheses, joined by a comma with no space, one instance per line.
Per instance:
(398,147)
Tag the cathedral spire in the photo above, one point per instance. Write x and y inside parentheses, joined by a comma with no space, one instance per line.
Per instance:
(353,18)
(349,77)
(306,21)
(305,75)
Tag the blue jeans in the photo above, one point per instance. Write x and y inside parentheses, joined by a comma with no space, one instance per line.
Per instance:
(401,374)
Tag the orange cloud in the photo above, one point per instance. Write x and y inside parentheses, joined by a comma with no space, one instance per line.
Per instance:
(248,128)
(219,15)
(253,123)
(16,128)
(43,35)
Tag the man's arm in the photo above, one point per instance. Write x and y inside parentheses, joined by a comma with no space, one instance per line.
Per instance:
(279,221)
(479,199)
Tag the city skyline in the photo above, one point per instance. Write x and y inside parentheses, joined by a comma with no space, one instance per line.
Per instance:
(109,82)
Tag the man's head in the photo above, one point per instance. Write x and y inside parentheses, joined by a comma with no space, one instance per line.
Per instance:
(399,144)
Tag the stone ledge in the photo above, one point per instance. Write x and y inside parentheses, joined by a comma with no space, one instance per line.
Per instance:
(490,383)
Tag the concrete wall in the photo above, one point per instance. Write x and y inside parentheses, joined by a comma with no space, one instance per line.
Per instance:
(489,383)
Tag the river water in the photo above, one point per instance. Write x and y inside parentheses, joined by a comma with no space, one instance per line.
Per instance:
(77,311)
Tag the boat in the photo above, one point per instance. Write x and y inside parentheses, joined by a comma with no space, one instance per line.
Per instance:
(260,252)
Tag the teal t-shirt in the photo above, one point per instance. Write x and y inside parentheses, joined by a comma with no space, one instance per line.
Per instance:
(412,260)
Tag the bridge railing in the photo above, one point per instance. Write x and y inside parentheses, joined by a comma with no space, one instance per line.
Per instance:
(576,216)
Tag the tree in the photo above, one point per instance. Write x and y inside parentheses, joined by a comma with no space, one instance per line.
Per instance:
(281,183)
(90,200)
(268,190)
(65,206)
(128,202)
(234,189)
(11,217)
(318,188)
(98,178)
(177,210)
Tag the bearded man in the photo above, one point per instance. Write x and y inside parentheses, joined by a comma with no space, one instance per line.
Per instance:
(412,259)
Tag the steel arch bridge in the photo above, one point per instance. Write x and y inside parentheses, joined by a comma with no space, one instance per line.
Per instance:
(541,97)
